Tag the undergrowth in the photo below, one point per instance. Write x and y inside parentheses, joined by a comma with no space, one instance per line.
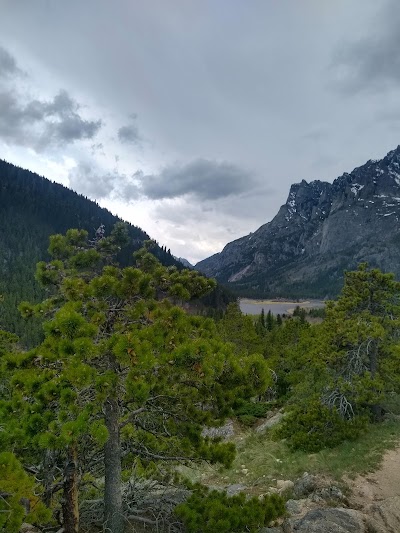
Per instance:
(261,460)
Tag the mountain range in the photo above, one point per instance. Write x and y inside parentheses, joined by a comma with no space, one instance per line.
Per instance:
(322,230)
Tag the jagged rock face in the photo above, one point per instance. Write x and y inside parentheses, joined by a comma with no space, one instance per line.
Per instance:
(322,230)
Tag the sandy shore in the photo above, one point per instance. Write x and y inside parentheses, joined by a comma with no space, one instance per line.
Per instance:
(271,302)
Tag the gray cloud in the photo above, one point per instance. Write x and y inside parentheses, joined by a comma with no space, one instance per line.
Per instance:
(223,185)
(38,123)
(373,62)
(8,65)
(89,180)
(202,178)
(68,125)
(129,134)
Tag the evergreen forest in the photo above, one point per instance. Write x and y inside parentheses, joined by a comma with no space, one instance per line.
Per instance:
(120,369)
(104,418)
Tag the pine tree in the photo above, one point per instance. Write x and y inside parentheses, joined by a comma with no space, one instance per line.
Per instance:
(124,366)
(342,371)
(240,330)
(361,328)
(262,318)
(270,321)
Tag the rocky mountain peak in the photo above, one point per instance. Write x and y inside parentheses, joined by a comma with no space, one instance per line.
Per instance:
(302,200)
(322,229)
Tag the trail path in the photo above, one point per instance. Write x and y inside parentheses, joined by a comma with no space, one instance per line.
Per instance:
(382,484)
(378,494)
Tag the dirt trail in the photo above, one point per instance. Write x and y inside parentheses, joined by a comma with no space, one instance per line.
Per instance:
(382,484)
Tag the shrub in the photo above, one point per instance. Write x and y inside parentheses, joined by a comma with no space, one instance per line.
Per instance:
(208,512)
(247,420)
(254,409)
(316,427)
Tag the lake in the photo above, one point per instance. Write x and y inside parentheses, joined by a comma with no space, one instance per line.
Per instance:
(254,307)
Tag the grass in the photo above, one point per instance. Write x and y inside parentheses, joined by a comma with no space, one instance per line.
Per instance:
(260,460)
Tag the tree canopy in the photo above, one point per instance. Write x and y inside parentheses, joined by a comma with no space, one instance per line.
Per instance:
(124,374)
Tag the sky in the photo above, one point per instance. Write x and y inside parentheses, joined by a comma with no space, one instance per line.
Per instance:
(192,118)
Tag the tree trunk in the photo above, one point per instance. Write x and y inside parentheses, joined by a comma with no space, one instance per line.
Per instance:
(48,477)
(70,507)
(376,409)
(112,462)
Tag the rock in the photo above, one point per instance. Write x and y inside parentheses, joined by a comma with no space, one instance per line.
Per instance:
(296,507)
(384,517)
(305,485)
(270,530)
(336,520)
(284,485)
(332,494)
(235,489)
(224,432)
(270,422)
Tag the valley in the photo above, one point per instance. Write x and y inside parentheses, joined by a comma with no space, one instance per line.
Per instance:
(199,267)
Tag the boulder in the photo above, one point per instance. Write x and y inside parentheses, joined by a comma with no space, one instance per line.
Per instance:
(334,520)
(296,507)
(284,485)
(305,485)
(235,489)
(224,432)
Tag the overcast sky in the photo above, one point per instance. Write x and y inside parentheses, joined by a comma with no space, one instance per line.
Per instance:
(192,118)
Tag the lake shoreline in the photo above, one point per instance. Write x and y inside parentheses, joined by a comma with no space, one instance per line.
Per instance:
(275,301)
(277,306)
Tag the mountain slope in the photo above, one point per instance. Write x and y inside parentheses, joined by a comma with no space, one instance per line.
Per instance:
(31,209)
(322,230)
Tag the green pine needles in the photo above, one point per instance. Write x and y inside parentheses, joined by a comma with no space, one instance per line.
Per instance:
(123,375)
(208,512)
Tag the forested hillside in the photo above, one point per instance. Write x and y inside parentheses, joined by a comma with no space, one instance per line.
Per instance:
(31,209)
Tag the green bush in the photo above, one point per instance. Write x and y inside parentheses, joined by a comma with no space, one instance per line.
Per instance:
(247,420)
(216,512)
(254,409)
(316,427)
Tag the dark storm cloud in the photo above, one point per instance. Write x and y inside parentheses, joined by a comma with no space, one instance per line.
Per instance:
(199,180)
(68,125)
(373,62)
(202,178)
(38,123)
